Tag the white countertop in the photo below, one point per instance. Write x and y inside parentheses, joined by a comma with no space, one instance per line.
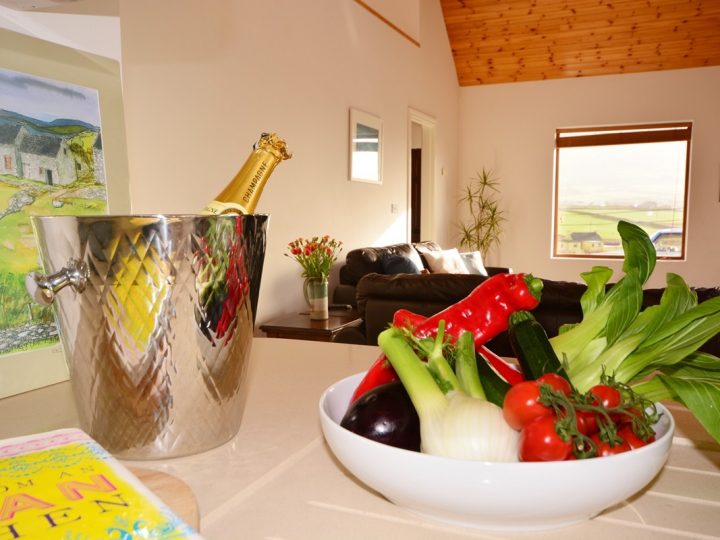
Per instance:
(277,479)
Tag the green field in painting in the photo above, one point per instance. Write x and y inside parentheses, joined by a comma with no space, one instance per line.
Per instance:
(18,252)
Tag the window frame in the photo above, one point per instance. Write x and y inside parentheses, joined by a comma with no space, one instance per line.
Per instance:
(616,135)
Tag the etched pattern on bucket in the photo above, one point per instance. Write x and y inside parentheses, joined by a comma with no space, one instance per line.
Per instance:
(157,343)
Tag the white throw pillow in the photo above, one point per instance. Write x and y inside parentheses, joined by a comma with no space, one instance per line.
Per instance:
(474,263)
(446,261)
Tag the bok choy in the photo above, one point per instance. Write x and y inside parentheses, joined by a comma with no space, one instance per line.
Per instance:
(455,418)
(654,350)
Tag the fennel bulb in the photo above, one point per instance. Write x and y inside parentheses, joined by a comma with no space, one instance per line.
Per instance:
(456,421)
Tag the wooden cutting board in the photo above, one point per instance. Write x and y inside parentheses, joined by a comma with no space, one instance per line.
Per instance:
(173,492)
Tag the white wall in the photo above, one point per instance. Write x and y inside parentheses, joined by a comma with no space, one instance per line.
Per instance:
(510,128)
(96,34)
(200,85)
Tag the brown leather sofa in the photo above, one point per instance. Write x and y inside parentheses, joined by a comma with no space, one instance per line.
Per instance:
(378,296)
(373,260)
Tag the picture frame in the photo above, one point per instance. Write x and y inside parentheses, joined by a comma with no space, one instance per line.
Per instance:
(36,60)
(365,147)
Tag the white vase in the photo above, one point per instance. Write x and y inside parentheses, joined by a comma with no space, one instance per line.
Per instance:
(316,296)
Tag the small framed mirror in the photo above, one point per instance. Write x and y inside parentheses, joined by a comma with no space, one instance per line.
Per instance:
(365,147)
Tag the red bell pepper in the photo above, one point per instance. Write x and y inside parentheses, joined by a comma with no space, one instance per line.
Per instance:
(484,312)
(380,372)
(506,370)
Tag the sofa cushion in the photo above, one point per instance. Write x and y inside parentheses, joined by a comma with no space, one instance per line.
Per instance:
(361,261)
(446,261)
(393,263)
(423,247)
(474,263)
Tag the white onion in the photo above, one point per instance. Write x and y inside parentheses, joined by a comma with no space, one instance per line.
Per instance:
(469,428)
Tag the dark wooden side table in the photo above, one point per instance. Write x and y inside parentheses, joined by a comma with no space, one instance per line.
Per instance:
(300,326)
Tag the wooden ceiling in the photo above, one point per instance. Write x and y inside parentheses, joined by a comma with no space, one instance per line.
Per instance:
(500,41)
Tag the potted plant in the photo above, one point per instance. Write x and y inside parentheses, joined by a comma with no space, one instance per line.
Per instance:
(482,231)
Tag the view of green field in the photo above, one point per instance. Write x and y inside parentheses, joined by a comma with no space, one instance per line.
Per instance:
(603,221)
(18,252)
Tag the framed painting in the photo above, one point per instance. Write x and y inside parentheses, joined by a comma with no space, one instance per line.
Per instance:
(62,152)
(365,147)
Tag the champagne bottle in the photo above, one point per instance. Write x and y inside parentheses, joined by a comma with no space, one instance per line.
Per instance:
(241,195)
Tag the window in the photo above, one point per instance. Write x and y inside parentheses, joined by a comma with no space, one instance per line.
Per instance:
(365,147)
(634,173)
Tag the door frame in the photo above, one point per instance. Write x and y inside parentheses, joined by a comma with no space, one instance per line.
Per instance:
(427,173)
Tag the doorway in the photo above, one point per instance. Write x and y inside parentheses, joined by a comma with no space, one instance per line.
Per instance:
(421,177)
(415,193)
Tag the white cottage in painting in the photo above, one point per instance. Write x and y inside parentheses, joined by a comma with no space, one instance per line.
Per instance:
(10,135)
(48,159)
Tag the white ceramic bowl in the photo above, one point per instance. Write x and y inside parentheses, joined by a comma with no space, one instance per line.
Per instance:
(493,496)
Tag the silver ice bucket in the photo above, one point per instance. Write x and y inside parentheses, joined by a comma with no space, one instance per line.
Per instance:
(156,323)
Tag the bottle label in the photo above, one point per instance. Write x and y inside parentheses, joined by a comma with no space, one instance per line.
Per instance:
(260,174)
(242,193)
(218,208)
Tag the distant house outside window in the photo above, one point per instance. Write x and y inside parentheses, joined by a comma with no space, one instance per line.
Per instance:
(637,173)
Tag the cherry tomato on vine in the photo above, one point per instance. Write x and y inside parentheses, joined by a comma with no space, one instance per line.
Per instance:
(605,395)
(558,382)
(587,422)
(581,422)
(521,405)
(604,449)
(540,442)
(628,435)
(628,418)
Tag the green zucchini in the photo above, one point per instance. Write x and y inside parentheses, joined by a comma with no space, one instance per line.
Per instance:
(532,347)
(495,387)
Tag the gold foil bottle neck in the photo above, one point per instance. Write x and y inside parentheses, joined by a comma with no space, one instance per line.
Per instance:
(242,194)
(274,144)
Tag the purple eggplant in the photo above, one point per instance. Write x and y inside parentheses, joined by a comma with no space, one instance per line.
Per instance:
(385,414)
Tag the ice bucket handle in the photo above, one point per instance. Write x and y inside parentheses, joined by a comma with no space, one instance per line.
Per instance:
(43,288)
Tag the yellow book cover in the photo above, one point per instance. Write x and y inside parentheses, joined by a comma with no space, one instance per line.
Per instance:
(63,485)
